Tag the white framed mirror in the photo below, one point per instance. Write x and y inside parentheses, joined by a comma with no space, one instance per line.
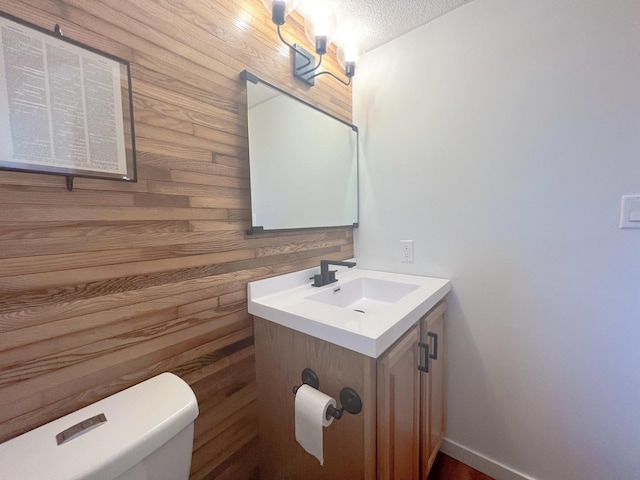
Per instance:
(303,163)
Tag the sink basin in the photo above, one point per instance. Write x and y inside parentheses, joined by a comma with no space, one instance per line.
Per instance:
(365,310)
(364,295)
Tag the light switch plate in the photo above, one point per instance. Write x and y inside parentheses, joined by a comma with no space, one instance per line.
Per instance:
(630,211)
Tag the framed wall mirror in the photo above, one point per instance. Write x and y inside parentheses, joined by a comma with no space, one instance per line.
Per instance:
(303,163)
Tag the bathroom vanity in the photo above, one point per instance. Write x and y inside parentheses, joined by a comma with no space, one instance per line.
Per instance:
(378,333)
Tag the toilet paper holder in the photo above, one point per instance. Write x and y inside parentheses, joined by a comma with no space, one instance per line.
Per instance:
(349,398)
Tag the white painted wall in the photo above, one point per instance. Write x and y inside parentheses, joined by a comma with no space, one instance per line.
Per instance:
(500,138)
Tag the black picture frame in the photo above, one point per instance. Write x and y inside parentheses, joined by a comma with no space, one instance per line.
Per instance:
(125,168)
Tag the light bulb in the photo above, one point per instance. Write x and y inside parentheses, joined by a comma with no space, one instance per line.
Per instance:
(347,57)
(320,27)
(279,9)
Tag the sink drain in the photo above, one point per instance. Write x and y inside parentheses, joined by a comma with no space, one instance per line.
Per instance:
(361,311)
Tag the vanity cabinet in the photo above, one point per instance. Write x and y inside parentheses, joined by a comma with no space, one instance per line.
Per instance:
(432,404)
(410,420)
(400,429)
(399,405)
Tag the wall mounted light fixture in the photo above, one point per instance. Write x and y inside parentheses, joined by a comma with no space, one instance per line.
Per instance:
(320,28)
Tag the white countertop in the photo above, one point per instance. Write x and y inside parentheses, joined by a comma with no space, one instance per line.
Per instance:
(283,300)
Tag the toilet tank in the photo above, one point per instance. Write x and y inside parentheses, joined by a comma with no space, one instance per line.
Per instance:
(142,433)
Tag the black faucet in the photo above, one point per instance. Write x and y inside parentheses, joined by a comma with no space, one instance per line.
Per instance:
(326,276)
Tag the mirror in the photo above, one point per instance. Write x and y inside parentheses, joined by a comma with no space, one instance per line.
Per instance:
(303,163)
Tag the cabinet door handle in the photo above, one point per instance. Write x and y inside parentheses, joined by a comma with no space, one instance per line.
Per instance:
(434,355)
(424,368)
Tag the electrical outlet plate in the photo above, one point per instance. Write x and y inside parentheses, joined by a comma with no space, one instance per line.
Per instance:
(630,211)
(407,251)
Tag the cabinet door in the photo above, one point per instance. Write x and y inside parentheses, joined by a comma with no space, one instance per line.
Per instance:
(399,410)
(432,388)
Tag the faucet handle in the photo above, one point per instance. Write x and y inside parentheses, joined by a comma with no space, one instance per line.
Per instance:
(317,280)
(332,276)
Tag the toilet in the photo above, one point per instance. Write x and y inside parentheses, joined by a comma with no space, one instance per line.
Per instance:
(142,433)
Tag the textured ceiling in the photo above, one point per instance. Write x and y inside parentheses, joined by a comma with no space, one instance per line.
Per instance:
(374,22)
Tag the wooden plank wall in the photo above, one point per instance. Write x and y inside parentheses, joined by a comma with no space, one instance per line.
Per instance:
(113,283)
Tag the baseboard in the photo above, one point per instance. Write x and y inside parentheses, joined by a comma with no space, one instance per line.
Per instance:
(480,462)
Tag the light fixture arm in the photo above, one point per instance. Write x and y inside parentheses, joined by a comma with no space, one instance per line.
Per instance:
(334,76)
(311,70)
(300,71)
(295,49)
(283,40)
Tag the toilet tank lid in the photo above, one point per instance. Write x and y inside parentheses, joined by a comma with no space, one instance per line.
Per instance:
(140,419)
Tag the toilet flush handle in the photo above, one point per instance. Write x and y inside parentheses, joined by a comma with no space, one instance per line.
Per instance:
(80,428)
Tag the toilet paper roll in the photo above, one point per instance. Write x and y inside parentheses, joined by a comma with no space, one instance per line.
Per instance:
(311,416)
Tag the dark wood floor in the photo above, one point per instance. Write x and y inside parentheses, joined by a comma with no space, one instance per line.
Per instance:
(446,468)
